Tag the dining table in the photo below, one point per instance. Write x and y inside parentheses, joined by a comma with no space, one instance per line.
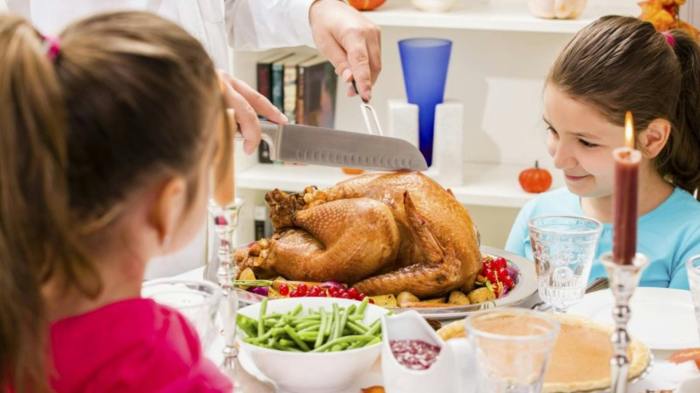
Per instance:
(661,377)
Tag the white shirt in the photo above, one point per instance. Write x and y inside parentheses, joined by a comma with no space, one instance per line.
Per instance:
(248,25)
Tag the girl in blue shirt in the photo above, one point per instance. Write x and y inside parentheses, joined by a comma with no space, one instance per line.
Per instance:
(613,65)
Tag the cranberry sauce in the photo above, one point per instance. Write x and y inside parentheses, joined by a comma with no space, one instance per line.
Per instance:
(414,354)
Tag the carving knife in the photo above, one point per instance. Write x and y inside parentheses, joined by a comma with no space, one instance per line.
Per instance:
(329,147)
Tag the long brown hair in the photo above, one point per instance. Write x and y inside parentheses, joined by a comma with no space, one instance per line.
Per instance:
(129,97)
(621,63)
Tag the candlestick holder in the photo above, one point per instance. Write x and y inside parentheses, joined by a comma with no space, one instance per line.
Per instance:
(224,220)
(623,282)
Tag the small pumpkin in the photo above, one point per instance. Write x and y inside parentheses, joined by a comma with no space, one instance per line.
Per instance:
(366,5)
(352,171)
(535,179)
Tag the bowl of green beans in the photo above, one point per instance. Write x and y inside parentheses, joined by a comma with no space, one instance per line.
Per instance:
(311,344)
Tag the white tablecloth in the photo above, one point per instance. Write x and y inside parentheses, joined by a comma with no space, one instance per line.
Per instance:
(663,374)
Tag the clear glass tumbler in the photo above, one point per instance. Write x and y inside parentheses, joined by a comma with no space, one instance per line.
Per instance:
(511,348)
(197,300)
(563,248)
(693,265)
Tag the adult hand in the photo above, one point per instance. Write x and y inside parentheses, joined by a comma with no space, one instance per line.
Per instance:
(350,41)
(247,104)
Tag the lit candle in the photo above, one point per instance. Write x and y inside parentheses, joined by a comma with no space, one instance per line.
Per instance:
(625,192)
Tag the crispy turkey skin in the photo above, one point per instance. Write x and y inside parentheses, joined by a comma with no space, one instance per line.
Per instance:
(382,233)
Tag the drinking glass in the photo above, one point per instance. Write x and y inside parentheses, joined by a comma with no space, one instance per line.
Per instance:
(693,266)
(511,348)
(424,62)
(563,248)
(197,300)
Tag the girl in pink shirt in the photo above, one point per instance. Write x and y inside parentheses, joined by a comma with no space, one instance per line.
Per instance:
(106,138)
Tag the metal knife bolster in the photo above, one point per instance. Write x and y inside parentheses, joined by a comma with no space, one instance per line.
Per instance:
(322,146)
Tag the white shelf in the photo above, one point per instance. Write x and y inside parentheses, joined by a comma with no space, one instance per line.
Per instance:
(489,15)
(484,184)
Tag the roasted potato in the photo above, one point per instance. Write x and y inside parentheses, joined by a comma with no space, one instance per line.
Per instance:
(458,298)
(385,300)
(405,298)
(247,274)
(481,295)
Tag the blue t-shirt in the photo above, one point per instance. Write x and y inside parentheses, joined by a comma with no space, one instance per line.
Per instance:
(668,235)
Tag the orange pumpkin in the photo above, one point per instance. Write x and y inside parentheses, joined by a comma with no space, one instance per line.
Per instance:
(352,171)
(535,179)
(366,5)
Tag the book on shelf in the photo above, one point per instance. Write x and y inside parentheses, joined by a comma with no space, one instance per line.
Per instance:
(289,83)
(264,86)
(301,85)
(261,222)
(316,91)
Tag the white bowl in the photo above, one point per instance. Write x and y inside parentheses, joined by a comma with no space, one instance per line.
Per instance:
(312,372)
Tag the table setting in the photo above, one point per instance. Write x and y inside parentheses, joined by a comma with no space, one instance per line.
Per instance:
(544,327)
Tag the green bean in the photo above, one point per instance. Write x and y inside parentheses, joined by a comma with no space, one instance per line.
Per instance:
(375,327)
(293,335)
(297,309)
(308,336)
(305,325)
(346,339)
(321,329)
(361,309)
(343,321)
(261,319)
(356,327)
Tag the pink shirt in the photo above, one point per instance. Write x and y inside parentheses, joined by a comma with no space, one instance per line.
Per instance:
(133,345)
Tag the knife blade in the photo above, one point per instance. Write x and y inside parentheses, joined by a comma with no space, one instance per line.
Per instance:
(329,147)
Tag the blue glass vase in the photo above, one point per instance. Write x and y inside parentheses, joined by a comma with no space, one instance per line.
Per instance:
(424,62)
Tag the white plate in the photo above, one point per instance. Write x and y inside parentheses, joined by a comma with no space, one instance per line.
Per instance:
(662,318)
(526,286)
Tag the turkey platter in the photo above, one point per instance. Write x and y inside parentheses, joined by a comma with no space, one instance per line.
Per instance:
(381,233)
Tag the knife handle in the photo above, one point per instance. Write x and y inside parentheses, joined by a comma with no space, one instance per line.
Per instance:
(269,132)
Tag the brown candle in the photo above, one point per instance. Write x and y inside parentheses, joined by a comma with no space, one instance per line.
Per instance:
(625,193)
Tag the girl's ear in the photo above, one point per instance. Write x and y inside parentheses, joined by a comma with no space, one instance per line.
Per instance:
(168,209)
(654,138)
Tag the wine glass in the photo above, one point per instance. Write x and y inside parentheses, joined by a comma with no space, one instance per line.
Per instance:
(563,248)
(197,300)
(693,266)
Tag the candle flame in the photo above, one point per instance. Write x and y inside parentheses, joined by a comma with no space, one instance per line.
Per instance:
(629,130)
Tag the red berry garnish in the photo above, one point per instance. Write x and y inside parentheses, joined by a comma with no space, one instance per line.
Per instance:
(302,289)
(283,289)
(491,275)
(499,263)
(353,293)
(294,293)
(508,282)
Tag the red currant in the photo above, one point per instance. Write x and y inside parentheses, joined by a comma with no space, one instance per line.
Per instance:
(294,293)
(302,290)
(353,293)
(508,282)
(283,289)
(315,291)
(499,263)
(491,275)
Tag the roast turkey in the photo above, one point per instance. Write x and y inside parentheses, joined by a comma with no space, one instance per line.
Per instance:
(382,233)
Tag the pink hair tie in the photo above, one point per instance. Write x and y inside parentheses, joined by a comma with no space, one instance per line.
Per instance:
(52,47)
(670,39)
